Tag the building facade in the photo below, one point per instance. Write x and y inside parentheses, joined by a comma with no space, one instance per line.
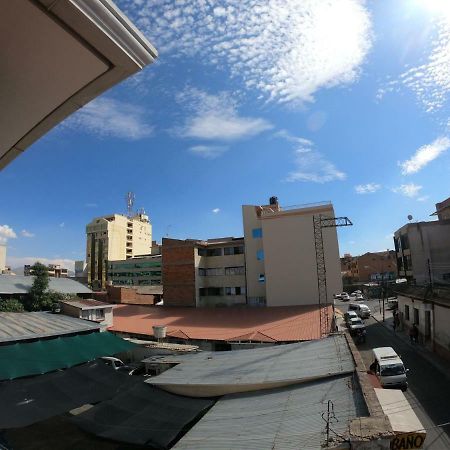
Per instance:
(89,309)
(423,249)
(54,270)
(372,266)
(2,258)
(204,273)
(138,271)
(280,254)
(114,238)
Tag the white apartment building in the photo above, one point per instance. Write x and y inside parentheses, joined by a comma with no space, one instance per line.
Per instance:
(280,254)
(112,238)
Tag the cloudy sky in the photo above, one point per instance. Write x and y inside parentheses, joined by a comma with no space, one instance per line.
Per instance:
(308,100)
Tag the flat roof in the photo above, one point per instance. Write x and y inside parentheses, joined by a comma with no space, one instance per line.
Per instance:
(88,303)
(36,325)
(233,324)
(20,284)
(61,55)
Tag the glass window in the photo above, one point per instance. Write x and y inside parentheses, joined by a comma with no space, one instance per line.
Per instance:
(202,252)
(262,278)
(257,233)
(234,250)
(240,270)
(260,255)
(214,252)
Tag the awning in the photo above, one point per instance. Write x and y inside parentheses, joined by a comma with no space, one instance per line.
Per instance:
(143,415)
(21,360)
(30,400)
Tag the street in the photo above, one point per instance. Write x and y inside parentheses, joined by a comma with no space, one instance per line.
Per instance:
(429,389)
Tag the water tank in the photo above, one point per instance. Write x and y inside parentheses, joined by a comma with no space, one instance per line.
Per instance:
(273,200)
(159,331)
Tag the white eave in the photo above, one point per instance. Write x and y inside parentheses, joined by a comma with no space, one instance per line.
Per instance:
(60,55)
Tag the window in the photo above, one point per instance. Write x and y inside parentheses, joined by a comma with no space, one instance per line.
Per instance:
(215,271)
(201,272)
(234,250)
(214,252)
(237,290)
(407,312)
(257,233)
(416,316)
(262,278)
(260,255)
(99,314)
(235,270)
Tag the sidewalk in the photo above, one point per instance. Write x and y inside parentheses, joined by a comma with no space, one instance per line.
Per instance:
(437,361)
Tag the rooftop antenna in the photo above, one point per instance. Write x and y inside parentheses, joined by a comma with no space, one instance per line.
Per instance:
(130,203)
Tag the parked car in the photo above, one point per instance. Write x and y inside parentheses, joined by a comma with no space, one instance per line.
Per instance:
(355,325)
(115,363)
(345,297)
(362,310)
(350,315)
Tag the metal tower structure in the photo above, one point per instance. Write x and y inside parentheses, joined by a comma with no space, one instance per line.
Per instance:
(321,222)
(130,203)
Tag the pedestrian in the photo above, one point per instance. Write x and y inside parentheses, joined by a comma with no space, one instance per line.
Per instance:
(413,334)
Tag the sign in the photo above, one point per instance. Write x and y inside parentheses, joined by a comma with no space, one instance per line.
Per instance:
(407,441)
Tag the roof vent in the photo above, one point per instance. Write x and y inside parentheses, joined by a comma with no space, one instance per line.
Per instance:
(273,200)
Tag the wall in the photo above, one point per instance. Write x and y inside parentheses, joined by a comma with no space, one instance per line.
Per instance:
(130,296)
(290,257)
(178,273)
(442,330)
(2,257)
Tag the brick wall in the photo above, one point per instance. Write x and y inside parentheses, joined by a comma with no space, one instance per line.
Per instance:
(129,295)
(178,272)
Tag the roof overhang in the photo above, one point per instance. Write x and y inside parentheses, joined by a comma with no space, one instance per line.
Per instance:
(59,55)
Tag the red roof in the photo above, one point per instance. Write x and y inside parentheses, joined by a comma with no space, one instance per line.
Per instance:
(274,324)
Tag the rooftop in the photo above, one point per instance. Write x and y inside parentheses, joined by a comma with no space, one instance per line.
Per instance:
(235,324)
(36,325)
(19,284)
(88,303)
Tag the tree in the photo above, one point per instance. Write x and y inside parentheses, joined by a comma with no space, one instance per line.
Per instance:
(38,294)
(11,305)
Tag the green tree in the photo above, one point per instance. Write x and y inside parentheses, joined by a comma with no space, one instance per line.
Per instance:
(11,305)
(38,294)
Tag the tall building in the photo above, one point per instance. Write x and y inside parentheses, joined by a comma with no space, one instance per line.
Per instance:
(53,270)
(280,254)
(371,266)
(423,248)
(112,238)
(2,258)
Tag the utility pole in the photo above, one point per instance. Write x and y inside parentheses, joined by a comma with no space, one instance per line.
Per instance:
(384,295)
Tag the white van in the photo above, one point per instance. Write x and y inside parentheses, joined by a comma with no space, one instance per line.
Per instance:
(362,310)
(389,368)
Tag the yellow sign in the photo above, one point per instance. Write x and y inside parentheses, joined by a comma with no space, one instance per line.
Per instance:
(407,441)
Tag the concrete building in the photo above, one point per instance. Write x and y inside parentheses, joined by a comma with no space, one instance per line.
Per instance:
(61,55)
(2,258)
(138,271)
(89,309)
(54,270)
(280,255)
(204,273)
(113,238)
(423,248)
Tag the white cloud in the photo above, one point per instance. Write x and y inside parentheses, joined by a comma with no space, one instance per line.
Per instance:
(215,117)
(27,234)
(429,81)
(6,232)
(216,210)
(368,188)
(286,49)
(408,190)
(109,117)
(425,155)
(20,261)
(310,164)
(62,225)
(208,151)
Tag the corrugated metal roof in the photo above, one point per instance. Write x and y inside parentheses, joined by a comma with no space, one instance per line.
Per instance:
(87,303)
(19,284)
(288,418)
(33,325)
(242,370)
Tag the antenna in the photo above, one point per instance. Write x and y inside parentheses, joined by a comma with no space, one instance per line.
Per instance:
(130,203)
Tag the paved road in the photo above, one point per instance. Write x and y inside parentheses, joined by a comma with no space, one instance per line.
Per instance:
(429,388)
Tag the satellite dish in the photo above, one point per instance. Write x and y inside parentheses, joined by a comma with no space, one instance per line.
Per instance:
(410,217)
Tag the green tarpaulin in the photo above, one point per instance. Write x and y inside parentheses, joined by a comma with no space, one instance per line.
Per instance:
(21,360)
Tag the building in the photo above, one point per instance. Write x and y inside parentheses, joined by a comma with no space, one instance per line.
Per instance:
(61,55)
(204,273)
(2,258)
(138,271)
(371,266)
(53,270)
(89,309)
(113,238)
(280,254)
(423,249)
(131,295)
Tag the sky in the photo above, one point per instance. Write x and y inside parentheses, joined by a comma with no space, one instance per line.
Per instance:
(307,100)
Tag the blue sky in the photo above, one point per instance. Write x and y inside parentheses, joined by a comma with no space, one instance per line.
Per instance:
(311,100)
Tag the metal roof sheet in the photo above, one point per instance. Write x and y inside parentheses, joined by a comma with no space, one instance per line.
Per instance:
(278,419)
(19,284)
(35,325)
(218,373)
